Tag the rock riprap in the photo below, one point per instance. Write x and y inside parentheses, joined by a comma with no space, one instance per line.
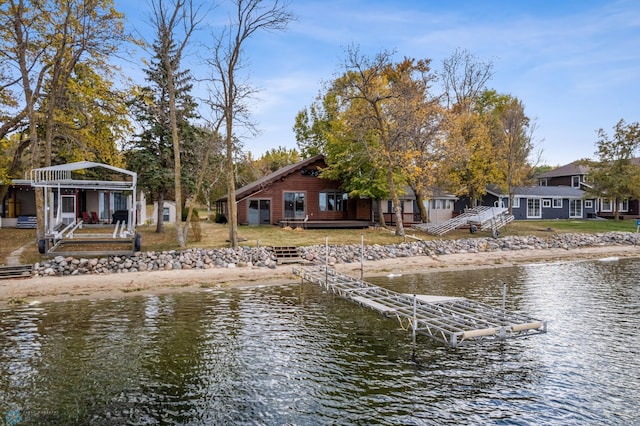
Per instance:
(262,257)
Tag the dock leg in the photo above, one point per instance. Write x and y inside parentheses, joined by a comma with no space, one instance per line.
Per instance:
(414,323)
(361,258)
(326,260)
(504,300)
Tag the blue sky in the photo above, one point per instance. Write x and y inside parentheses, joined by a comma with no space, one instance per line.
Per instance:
(574,64)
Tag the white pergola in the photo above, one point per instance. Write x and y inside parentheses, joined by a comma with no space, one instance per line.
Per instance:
(60,176)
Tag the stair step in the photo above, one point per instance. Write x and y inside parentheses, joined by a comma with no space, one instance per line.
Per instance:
(18,271)
(287,254)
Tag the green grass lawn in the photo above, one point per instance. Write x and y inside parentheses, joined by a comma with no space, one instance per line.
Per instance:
(215,235)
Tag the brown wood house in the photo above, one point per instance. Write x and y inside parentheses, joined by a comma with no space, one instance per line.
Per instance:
(296,196)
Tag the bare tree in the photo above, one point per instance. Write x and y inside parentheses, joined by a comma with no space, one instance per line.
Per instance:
(464,78)
(229,94)
(175,22)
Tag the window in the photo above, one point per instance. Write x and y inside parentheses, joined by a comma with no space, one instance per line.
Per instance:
(542,182)
(119,201)
(516,203)
(165,214)
(624,206)
(332,201)
(294,205)
(259,212)
(575,181)
(441,204)
(575,209)
(606,205)
(588,204)
(546,203)
(533,208)
(109,202)
(557,203)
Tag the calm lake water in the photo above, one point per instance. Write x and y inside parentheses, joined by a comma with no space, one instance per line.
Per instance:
(295,355)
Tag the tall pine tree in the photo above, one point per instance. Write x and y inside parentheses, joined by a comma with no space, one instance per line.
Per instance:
(151,153)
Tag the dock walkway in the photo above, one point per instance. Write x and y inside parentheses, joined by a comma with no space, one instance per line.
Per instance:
(454,321)
(482,217)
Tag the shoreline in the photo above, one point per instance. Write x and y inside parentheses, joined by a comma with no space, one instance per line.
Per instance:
(14,292)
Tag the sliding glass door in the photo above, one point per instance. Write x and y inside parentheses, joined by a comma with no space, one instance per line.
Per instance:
(294,207)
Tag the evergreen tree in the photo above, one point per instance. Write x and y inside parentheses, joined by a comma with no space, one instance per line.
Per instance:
(151,152)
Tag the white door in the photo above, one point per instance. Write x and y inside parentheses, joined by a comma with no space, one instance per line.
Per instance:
(68,210)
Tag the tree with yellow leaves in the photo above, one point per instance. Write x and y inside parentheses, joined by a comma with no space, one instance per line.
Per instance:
(379,105)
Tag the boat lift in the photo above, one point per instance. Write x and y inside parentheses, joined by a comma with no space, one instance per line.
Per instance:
(453,321)
(58,234)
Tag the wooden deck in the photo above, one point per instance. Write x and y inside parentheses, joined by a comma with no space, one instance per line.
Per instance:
(622,216)
(73,240)
(325,224)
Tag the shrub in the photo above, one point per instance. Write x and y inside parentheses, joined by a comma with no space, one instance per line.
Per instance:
(196,231)
(194,214)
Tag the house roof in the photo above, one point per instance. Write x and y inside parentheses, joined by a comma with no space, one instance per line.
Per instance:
(260,184)
(433,193)
(60,176)
(575,168)
(540,192)
(571,169)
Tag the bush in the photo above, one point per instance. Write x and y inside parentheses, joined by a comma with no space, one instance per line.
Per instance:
(194,214)
(196,231)
(220,218)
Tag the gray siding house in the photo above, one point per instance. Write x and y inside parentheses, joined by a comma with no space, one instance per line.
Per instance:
(544,202)
(576,175)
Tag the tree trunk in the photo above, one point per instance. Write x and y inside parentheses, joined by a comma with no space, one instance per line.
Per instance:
(381,220)
(231,189)
(40,193)
(397,208)
(420,198)
(160,215)
(208,199)
(177,167)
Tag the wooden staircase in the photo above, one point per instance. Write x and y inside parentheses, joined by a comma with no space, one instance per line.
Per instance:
(16,271)
(286,254)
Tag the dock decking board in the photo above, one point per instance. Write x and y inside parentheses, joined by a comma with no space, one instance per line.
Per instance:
(15,271)
(454,321)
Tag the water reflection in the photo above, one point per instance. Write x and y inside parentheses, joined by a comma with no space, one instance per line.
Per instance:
(293,354)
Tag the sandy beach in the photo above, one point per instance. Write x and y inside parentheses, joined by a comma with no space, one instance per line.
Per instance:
(45,289)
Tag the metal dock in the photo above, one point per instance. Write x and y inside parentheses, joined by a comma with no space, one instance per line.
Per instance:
(454,321)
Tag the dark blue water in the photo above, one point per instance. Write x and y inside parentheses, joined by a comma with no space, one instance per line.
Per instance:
(295,355)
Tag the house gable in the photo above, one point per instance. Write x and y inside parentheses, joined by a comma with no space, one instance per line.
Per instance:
(573,174)
(296,193)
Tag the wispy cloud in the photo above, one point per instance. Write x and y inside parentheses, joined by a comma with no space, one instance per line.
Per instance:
(573,63)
